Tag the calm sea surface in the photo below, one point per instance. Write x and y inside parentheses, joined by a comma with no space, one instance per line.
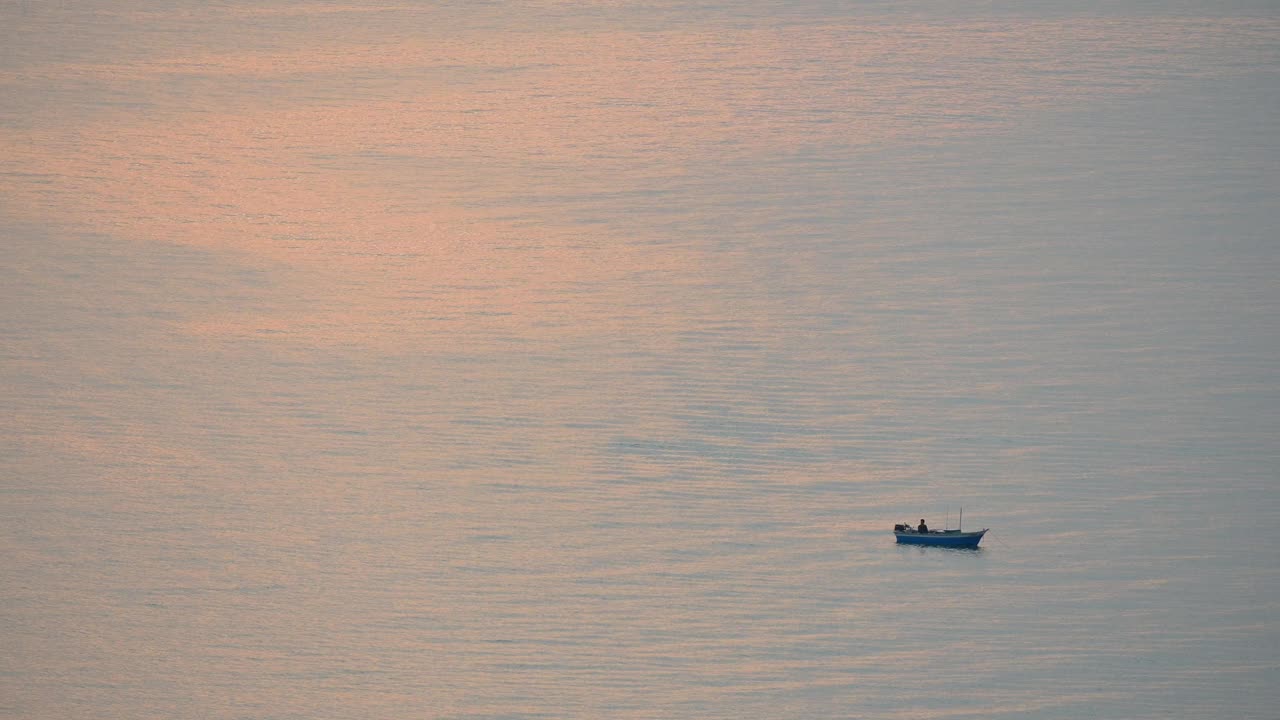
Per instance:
(574,360)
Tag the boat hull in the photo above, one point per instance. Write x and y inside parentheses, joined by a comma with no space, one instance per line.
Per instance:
(948,538)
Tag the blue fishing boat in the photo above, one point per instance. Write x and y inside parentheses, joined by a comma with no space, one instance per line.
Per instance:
(908,535)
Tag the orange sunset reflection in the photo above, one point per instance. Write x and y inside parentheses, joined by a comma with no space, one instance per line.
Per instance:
(429,195)
(462,164)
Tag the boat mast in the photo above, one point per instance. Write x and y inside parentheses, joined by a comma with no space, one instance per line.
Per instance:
(961,518)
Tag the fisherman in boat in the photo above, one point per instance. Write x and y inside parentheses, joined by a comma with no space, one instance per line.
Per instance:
(923,528)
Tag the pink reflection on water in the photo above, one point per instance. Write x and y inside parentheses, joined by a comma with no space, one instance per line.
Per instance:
(460,166)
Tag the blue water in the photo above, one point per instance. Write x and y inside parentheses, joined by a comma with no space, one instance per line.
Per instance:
(554,360)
